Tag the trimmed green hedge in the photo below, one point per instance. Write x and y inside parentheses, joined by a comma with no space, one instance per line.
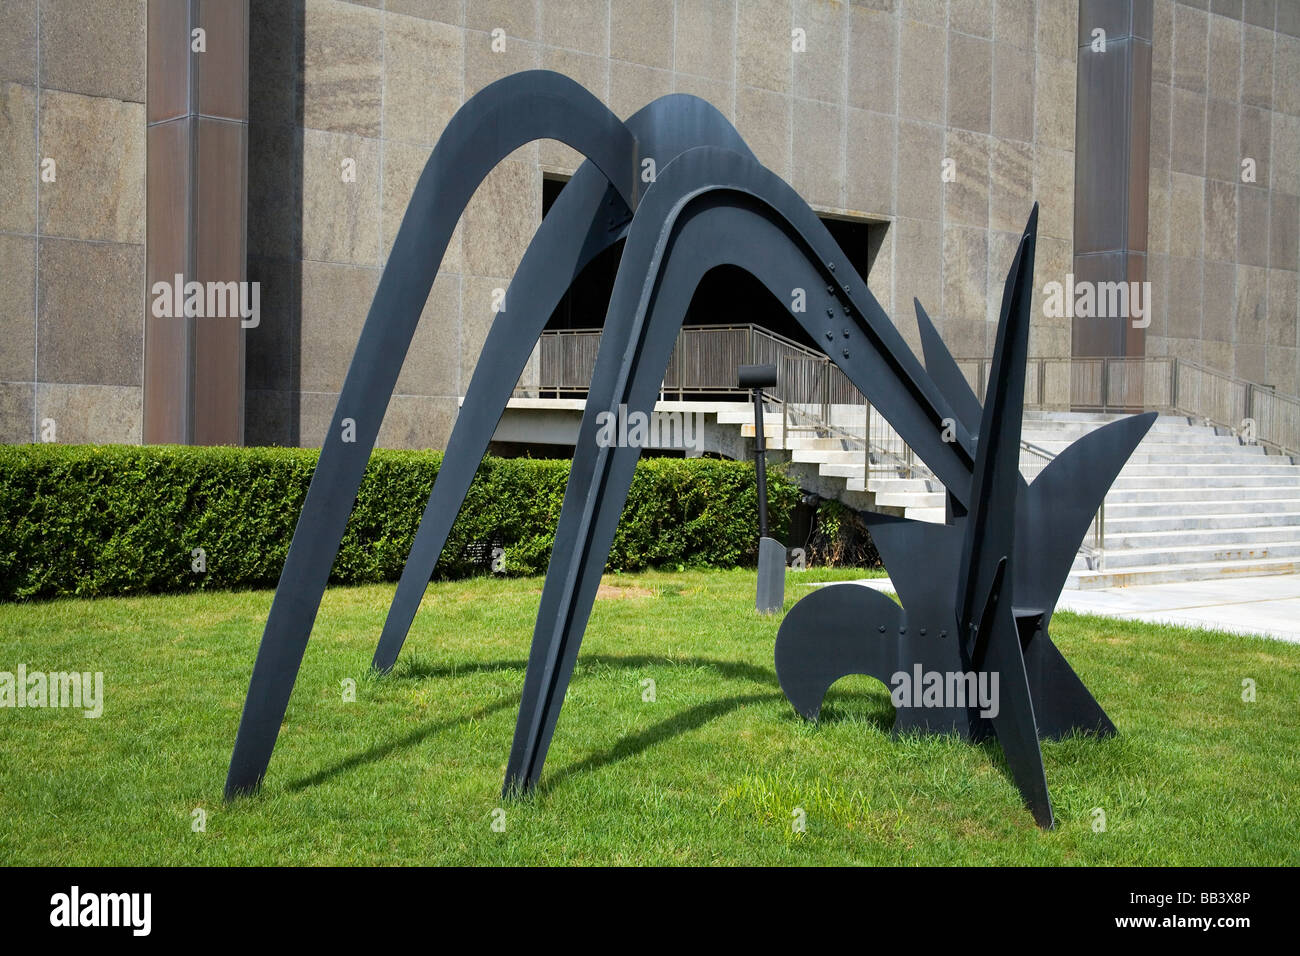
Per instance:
(96,520)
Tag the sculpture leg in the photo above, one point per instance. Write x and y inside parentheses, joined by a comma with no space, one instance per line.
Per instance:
(576,229)
(494,123)
(629,368)
(998,654)
(626,382)
(1062,704)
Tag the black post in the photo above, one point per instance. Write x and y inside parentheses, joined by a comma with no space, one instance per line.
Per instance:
(760,462)
(771,554)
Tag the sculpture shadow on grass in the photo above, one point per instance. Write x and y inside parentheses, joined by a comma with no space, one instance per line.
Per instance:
(732,670)
(380,751)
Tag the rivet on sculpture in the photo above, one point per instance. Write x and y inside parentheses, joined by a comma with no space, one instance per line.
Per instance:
(977,593)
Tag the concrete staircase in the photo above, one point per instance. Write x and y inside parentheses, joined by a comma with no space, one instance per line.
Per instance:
(1191,504)
(919,498)
(836,467)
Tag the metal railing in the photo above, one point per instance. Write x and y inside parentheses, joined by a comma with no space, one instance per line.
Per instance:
(1033,459)
(814,395)
(705,360)
(1256,413)
(817,398)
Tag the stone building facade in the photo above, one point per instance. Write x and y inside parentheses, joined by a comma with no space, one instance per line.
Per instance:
(1223,255)
(863,119)
(72,91)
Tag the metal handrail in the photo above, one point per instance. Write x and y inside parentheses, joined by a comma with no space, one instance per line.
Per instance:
(1258,414)
(810,387)
(705,357)
(1095,553)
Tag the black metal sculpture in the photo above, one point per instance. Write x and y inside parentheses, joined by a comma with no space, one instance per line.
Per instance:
(977,593)
(679,223)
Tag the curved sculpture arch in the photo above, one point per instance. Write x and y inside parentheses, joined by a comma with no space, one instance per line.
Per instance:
(581,224)
(492,124)
(486,406)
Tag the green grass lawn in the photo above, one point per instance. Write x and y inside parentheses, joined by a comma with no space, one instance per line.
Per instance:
(709,772)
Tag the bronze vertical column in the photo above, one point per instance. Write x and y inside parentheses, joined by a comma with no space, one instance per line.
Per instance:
(1111,164)
(197,188)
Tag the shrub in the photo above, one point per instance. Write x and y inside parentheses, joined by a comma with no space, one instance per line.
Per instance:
(98,520)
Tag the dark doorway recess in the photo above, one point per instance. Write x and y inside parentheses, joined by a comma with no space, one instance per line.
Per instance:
(727,295)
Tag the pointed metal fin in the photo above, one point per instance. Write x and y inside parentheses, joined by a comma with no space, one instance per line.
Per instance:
(990,528)
(942,367)
(1061,503)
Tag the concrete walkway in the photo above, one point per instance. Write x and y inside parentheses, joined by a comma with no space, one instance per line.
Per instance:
(1264,606)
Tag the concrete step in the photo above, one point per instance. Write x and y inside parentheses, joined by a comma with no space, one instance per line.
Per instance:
(790,440)
(911,499)
(902,485)
(747,428)
(1185,494)
(829,444)
(1207,458)
(1039,415)
(1219,469)
(1161,437)
(1163,574)
(846,470)
(1198,554)
(744,412)
(1226,538)
(860,484)
(829,456)
(1245,479)
(1162,423)
(770,432)
(1171,443)
(1162,426)
(1152,508)
(1197,522)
